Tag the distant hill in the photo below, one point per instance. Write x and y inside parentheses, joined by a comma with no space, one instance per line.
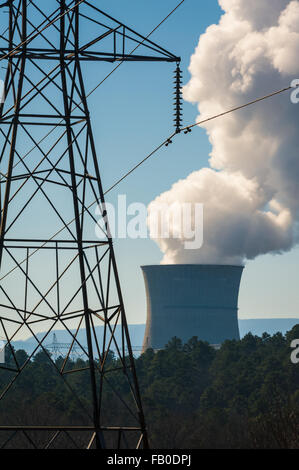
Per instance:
(258,326)
(255,326)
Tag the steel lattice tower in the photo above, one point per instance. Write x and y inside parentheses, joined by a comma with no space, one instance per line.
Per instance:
(50,176)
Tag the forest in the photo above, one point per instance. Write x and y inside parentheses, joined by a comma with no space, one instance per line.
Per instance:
(243,396)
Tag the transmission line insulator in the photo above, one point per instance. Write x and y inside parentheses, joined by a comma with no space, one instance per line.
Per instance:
(178,99)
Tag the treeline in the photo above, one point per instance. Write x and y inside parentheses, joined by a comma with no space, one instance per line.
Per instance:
(245,395)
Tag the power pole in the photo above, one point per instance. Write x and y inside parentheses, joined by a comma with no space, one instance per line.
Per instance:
(50,175)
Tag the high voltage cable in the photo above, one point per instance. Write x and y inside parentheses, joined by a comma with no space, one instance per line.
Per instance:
(29,39)
(138,45)
(167,141)
(188,129)
(238,108)
(94,89)
(37,32)
(6,29)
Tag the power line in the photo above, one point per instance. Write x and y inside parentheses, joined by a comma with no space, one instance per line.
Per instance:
(6,29)
(167,141)
(237,108)
(96,87)
(92,91)
(37,32)
(187,129)
(138,45)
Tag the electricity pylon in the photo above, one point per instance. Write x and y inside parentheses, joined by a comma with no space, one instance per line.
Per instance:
(50,176)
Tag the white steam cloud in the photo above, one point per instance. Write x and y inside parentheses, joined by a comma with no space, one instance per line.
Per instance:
(251,190)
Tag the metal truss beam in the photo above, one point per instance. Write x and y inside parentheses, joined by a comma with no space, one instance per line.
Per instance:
(70,283)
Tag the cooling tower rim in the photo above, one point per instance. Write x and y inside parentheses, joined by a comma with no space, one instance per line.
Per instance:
(205,265)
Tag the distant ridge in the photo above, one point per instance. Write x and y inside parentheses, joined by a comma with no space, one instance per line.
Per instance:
(256,326)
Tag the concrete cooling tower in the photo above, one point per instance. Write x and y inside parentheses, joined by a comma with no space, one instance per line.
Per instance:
(191,300)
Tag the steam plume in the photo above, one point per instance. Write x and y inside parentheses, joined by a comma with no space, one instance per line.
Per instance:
(251,190)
